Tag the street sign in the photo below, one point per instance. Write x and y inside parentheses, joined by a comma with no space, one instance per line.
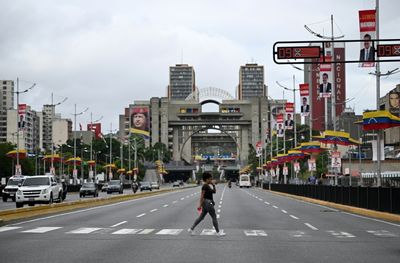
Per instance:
(319,52)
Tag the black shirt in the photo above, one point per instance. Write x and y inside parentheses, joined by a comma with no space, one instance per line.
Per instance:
(208,191)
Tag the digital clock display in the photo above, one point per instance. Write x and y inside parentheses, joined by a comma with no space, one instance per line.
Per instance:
(389,50)
(299,52)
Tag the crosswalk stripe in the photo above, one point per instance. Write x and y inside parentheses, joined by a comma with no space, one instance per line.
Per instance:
(173,232)
(381,233)
(8,228)
(126,231)
(340,234)
(40,230)
(84,230)
(146,231)
(210,232)
(255,233)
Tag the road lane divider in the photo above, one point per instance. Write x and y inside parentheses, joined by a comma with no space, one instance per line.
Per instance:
(118,224)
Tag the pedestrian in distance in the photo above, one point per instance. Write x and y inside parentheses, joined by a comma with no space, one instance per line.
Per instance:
(206,205)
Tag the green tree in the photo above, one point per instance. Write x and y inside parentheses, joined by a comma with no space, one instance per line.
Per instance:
(253,159)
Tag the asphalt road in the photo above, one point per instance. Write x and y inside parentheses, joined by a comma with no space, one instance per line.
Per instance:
(72,196)
(259,226)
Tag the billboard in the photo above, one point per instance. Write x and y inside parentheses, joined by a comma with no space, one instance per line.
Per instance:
(367,19)
(336,161)
(325,82)
(21,116)
(140,120)
(275,111)
(394,103)
(304,98)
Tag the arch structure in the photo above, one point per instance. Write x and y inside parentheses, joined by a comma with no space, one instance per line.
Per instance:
(215,127)
(209,94)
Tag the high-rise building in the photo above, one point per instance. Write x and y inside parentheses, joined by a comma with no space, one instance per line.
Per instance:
(251,82)
(62,131)
(6,103)
(47,118)
(181,81)
(28,128)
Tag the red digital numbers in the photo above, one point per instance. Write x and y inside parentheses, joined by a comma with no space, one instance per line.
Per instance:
(298,52)
(389,50)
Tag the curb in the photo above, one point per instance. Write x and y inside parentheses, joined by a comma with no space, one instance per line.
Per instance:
(351,209)
(22,213)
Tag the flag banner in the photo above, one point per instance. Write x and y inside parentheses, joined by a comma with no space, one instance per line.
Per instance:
(304,98)
(336,160)
(325,86)
(367,19)
(289,123)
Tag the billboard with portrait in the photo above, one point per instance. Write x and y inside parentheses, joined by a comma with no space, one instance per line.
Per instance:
(394,103)
(140,120)
(280,125)
(275,111)
(304,99)
(21,116)
(289,110)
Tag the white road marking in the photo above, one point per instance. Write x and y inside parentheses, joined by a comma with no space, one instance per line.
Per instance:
(97,207)
(381,233)
(8,228)
(126,231)
(373,219)
(340,234)
(274,206)
(182,198)
(218,216)
(118,224)
(210,232)
(298,234)
(219,211)
(141,215)
(311,226)
(146,231)
(173,232)
(292,216)
(284,211)
(174,202)
(266,203)
(153,210)
(165,205)
(219,206)
(220,202)
(187,196)
(40,230)
(84,230)
(255,233)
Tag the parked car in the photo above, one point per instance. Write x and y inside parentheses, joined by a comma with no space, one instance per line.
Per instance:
(88,189)
(176,184)
(11,188)
(155,185)
(40,189)
(104,187)
(115,186)
(145,186)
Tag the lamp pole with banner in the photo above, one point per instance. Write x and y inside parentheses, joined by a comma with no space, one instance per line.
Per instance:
(75,172)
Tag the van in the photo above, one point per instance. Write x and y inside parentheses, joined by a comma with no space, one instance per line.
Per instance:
(244,181)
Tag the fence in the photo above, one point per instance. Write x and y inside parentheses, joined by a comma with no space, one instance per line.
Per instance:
(386,199)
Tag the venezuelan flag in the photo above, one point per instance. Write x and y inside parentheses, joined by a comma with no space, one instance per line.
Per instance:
(379,120)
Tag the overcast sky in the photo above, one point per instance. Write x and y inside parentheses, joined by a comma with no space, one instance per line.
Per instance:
(106,54)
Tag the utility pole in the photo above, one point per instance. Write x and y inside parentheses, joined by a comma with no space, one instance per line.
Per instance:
(91,143)
(75,173)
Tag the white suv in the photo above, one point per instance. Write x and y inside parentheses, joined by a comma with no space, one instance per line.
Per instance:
(40,189)
(12,187)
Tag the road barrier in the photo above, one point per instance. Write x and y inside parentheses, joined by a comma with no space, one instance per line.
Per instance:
(385,199)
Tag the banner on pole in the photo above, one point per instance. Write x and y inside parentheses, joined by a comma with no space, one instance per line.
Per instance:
(312,167)
(325,86)
(367,19)
(336,161)
(280,127)
(304,98)
(289,110)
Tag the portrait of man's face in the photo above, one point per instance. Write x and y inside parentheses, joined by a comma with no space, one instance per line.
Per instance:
(304,101)
(367,41)
(139,121)
(394,100)
(325,78)
(280,126)
(289,116)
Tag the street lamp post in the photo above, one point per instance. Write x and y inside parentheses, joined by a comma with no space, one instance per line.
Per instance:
(75,173)
(19,92)
(53,109)
(91,143)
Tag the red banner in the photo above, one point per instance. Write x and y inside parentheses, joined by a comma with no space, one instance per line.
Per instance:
(289,107)
(279,118)
(304,89)
(367,20)
(304,99)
